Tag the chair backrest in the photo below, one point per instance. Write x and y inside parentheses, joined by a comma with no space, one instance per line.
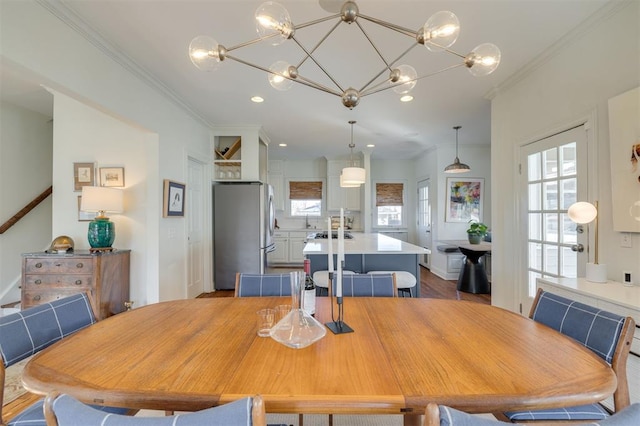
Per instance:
(262,285)
(64,410)
(367,285)
(606,334)
(24,333)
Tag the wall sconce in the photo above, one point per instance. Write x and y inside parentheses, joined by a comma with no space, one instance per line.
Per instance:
(102,232)
(584,213)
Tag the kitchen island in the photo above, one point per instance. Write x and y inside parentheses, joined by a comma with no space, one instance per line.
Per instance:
(367,252)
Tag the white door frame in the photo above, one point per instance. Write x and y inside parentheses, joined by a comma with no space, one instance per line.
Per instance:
(205,215)
(589,122)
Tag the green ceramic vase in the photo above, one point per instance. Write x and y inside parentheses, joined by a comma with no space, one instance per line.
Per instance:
(102,233)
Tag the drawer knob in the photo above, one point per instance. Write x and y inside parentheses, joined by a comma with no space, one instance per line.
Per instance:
(79,265)
(38,265)
(58,263)
(36,298)
(78,282)
(38,281)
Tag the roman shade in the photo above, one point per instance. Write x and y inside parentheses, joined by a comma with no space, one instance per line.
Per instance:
(305,190)
(389,194)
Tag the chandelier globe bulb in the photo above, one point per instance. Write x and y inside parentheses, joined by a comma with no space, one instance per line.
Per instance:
(280,76)
(404,79)
(440,31)
(273,19)
(204,53)
(483,60)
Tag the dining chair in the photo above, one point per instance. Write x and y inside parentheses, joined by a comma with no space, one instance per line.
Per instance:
(607,334)
(367,285)
(435,415)
(262,285)
(65,410)
(31,330)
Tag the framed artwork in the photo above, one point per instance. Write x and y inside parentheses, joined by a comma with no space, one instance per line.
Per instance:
(112,176)
(624,154)
(83,175)
(82,215)
(173,200)
(464,199)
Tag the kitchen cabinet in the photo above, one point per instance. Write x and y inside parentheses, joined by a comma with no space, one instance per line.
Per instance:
(289,247)
(338,197)
(239,154)
(52,276)
(281,252)
(297,241)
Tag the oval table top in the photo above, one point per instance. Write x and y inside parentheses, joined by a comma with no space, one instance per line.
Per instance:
(403,354)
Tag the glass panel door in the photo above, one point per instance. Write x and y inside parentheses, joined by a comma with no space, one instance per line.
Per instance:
(424,219)
(554,177)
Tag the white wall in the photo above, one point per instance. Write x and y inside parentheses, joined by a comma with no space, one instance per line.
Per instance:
(575,81)
(430,165)
(36,40)
(25,172)
(82,134)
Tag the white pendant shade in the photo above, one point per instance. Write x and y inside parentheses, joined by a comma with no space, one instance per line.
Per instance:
(347,185)
(353,175)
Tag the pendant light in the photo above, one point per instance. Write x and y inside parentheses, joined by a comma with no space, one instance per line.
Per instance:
(352,176)
(457,166)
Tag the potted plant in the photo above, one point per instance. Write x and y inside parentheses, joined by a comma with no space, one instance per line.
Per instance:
(476,232)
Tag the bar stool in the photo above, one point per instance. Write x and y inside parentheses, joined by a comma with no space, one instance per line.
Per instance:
(321,280)
(405,281)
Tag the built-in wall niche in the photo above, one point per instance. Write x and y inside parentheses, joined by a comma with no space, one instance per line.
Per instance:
(228,158)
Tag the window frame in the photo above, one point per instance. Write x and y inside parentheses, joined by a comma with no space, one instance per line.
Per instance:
(404,206)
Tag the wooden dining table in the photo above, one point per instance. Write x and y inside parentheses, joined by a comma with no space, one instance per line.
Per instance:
(403,354)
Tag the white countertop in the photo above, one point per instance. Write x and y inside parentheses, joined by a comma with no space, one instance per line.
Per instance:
(611,291)
(365,244)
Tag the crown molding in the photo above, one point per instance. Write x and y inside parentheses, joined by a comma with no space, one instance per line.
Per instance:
(589,24)
(80,26)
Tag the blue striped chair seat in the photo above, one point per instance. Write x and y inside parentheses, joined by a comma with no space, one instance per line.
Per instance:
(367,285)
(596,329)
(70,412)
(446,416)
(33,415)
(262,285)
(31,330)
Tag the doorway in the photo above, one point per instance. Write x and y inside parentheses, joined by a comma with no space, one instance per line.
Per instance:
(553,177)
(424,220)
(195,228)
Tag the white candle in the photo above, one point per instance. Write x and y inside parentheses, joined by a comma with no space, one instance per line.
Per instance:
(339,272)
(330,241)
(341,237)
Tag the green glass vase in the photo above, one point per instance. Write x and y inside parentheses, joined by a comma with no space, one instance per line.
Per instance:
(102,232)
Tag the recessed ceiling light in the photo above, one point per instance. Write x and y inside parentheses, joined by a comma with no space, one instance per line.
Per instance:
(257,99)
(370,145)
(282,144)
(406,98)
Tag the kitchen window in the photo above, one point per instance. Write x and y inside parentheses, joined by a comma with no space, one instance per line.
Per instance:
(305,198)
(389,204)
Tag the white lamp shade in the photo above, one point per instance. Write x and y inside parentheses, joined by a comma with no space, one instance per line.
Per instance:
(347,185)
(582,212)
(98,198)
(353,175)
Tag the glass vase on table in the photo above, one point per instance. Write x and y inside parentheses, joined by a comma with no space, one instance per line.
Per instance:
(297,329)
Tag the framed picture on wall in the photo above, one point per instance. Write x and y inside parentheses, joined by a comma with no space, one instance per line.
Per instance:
(173,199)
(464,199)
(83,175)
(112,176)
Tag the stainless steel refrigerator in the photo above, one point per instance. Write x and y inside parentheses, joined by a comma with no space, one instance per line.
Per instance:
(243,226)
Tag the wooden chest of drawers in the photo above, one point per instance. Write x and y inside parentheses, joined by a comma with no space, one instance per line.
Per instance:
(104,276)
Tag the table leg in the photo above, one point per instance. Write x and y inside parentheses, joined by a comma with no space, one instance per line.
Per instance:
(412,420)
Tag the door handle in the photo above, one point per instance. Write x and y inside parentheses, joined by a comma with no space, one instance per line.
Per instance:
(577,247)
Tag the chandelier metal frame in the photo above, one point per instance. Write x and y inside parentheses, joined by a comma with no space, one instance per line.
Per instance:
(273,23)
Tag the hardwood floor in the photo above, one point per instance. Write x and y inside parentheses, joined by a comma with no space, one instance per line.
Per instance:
(431,286)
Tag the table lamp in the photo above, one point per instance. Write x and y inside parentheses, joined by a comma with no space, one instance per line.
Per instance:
(102,232)
(583,213)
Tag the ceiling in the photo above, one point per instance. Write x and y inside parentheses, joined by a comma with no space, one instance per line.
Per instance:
(155,35)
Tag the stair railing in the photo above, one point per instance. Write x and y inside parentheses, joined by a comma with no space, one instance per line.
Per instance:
(22,213)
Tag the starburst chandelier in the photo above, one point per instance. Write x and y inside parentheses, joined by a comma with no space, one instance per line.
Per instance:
(274,24)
